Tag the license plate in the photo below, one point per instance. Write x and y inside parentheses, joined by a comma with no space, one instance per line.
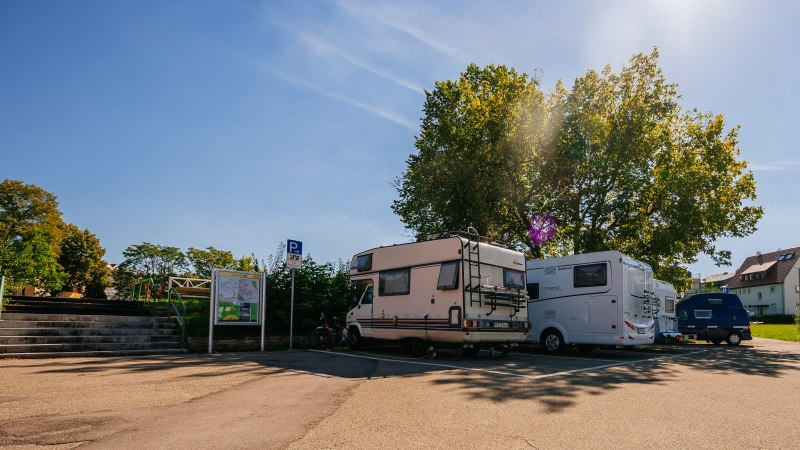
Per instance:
(641,330)
(501,324)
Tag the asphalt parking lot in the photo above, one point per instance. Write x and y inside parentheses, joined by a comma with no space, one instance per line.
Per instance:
(684,396)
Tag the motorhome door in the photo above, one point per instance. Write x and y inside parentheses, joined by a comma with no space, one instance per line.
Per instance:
(363,312)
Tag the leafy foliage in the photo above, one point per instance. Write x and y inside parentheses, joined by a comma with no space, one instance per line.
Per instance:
(147,260)
(82,260)
(477,162)
(614,160)
(204,260)
(31,229)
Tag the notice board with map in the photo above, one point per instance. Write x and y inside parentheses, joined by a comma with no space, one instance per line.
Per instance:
(237,296)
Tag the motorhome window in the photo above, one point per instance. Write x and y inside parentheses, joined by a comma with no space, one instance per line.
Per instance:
(366,298)
(514,279)
(715,301)
(364,262)
(533,291)
(448,276)
(395,282)
(669,305)
(702,313)
(590,275)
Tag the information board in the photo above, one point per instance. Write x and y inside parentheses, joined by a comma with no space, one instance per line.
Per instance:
(237,296)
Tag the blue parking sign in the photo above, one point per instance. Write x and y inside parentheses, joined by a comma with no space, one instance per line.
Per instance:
(294,247)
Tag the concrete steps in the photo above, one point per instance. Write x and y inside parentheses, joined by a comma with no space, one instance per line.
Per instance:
(23,334)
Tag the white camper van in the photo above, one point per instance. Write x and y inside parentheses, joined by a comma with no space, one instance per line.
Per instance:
(666,320)
(603,298)
(460,291)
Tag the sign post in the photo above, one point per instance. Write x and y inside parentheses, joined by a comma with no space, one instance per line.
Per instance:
(294,260)
(237,298)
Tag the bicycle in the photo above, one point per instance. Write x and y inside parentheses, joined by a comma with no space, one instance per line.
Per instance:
(325,336)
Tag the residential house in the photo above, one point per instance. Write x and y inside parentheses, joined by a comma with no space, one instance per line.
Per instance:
(719,280)
(769,283)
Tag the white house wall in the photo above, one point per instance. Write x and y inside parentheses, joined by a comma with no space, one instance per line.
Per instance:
(772,296)
(790,286)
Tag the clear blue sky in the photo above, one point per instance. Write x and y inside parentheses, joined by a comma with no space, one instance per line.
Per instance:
(239,124)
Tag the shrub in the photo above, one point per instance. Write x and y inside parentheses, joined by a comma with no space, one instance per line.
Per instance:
(774,319)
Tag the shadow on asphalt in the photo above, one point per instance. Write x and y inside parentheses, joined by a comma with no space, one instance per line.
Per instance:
(525,374)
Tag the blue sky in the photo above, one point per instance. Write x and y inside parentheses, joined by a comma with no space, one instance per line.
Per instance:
(239,124)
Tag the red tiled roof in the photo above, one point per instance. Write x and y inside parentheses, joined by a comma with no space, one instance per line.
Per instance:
(776,273)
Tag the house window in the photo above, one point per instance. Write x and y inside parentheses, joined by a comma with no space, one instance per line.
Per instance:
(514,279)
(772,289)
(395,282)
(363,262)
(759,295)
(702,313)
(448,276)
(590,275)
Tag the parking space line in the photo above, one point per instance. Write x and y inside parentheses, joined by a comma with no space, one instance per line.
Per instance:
(564,357)
(498,372)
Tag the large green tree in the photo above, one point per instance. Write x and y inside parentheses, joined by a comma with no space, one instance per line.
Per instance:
(147,260)
(204,260)
(31,230)
(478,156)
(631,171)
(614,159)
(82,260)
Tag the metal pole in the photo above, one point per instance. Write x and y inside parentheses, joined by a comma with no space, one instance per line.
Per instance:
(2,288)
(263,306)
(211,313)
(291,314)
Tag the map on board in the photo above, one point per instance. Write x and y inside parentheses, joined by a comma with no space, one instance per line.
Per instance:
(237,295)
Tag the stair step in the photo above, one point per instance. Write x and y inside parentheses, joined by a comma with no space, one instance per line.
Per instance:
(80,318)
(25,330)
(93,353)
(75,347)
(116,339)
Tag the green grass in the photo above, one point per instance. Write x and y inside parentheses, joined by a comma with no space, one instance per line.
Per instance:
(781,332)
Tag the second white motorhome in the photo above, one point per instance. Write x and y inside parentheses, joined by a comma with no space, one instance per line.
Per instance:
(589,300)
(460,291)
(666,320)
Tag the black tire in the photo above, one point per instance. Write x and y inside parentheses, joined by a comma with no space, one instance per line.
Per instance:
(416,347)
(733,338)
(472,351)
(320,339)
(504,350)
(715,341)
(552,342)
(354,338)
(586,348)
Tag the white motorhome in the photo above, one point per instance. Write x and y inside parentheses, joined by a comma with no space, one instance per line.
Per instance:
(459,291)
(666,320)
(602,298)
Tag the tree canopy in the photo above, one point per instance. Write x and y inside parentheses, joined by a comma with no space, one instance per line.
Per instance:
(615,160)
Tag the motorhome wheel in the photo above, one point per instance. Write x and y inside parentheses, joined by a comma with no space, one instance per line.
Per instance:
(553,342)
(354,338)
(734,338)
(472,351)
(416,347)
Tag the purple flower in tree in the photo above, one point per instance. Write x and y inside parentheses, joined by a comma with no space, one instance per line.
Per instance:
(542,228)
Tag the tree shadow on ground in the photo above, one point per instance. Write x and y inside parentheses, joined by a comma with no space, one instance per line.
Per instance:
(554,382)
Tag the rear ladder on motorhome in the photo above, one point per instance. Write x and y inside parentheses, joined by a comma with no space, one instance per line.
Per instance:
(473,250)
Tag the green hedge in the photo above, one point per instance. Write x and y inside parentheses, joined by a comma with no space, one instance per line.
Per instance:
(774,319)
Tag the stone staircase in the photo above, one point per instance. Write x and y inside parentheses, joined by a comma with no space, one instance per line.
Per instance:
(48,327)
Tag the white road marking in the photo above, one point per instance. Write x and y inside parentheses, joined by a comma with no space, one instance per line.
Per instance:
(562,357)
(498,372)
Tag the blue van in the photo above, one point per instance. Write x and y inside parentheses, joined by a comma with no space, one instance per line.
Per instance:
(715,318)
